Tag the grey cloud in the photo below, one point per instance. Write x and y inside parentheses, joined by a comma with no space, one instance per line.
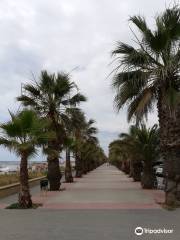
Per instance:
(63,35)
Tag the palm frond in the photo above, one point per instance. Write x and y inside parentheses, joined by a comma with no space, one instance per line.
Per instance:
(77,98)
(140,23)
(11,145)
(27,101)
(171,21)
(32,89)
(142,104)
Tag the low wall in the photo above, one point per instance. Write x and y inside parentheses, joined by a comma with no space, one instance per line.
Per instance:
(14,188)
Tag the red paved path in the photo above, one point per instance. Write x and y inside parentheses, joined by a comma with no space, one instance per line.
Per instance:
(103,188)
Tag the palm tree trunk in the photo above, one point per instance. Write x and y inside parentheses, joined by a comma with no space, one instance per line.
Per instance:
(178,187)
(68,170)
(119,165)
(85,166)
(147,178)
(24,194)
(131,168)
(126,166)
(54,172)
(90,166)
(78,165)
(170,173)
(170,144)
(137,171)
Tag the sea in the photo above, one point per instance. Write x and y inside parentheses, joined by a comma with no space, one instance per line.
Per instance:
(12,166)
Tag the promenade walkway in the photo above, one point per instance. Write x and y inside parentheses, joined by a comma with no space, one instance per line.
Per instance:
(104,204)
(104,188)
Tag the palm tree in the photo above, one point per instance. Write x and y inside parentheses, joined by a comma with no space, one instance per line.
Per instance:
(69,144)
(83,133)
(92,156)
(116,154)
(90,143)
(22,135)
(138,150)
(50,97)
(76,126)
(147,145)
(150,75)
(129,146)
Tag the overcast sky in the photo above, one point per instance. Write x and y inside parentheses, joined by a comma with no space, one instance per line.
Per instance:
(62,35)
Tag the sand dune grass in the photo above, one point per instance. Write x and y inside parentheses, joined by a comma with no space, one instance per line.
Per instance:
(6,179)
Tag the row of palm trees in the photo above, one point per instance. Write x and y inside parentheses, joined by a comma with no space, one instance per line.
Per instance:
(136,152)
(52,120)
(147,74)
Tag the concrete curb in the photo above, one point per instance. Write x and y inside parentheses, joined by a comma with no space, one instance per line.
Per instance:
(14,188)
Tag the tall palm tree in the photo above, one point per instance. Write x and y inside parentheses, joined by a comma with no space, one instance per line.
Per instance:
(22,135)
(129,146)
(147,145)
(77,125)
(50,97)
(69,144)
(91,144)
(116,154)
(74,124)
(101,157)
(84,133)
(90,152)
(138,149)
(149,74)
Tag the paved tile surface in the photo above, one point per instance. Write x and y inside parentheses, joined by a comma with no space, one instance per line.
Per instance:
(86,224)
(105,204)
(104,188)
(35,191)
